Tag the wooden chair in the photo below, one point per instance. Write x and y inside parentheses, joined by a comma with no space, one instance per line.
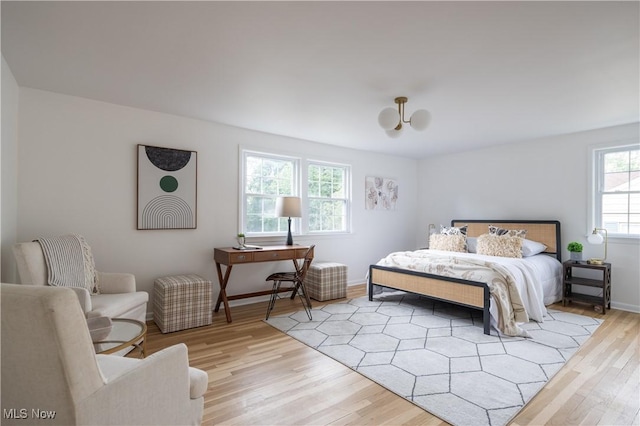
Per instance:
(297,283)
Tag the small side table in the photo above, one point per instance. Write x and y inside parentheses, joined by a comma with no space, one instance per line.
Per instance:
(125,332)
(568,280)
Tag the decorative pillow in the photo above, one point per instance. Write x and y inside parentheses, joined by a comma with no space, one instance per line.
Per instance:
(499,245)
(447,242)
(496,230)
(453,230)
(472,244)
(531,248)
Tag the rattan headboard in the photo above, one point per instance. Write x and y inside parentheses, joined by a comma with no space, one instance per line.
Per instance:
(546,232)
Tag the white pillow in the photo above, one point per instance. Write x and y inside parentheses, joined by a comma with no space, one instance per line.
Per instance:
(472,244)
(530,248)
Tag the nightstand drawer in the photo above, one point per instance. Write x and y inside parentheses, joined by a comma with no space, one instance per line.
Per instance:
(273,255)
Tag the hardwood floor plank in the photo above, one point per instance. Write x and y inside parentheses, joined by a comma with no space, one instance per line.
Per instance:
(258,375)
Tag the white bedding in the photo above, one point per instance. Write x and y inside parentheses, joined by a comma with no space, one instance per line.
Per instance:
(538,278)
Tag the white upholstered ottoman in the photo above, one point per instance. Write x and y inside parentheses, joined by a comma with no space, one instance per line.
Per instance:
(181,302)
(326,281)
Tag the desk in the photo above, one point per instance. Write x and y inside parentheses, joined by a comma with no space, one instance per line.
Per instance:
(229,256)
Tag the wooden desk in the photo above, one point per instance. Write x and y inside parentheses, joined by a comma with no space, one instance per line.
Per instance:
(229,256)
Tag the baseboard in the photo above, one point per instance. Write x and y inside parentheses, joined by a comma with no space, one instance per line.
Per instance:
(626,307)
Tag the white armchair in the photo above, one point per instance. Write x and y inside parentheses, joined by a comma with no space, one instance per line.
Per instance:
(118,297)
(49,367)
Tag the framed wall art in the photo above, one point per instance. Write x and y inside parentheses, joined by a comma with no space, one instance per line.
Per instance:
(167,188)
(380,193)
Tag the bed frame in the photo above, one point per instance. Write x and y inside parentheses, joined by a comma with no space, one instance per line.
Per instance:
(471,294)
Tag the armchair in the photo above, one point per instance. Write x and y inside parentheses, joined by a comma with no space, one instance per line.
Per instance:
(118,297)
(49,368)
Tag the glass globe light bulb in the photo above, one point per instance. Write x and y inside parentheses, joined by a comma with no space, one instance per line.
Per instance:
(420,119)
(595,238)
(388,118)
(393,133)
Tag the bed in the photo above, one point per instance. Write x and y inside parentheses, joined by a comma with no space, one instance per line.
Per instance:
(476,293)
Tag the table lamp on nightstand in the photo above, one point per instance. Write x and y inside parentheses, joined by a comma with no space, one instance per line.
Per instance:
(288,207)
(597,238)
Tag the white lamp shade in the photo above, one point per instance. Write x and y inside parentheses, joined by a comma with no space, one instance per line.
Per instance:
(595,238)
(388,118)
(393,133)
(420,119)
(288,207)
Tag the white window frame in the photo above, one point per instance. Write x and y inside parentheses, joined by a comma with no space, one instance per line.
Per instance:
(347,195)
(299,226)
(596,170)
(242,223)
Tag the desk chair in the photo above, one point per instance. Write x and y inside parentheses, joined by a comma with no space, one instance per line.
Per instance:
(297,283)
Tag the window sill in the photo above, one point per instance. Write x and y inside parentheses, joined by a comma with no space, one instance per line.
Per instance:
(281,239)
(621,239)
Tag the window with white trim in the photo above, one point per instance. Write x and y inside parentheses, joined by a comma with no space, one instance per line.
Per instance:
(616,195)
(328,197)
(266,177)
(325,194)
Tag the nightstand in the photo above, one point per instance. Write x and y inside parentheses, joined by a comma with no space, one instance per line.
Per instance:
(568,295)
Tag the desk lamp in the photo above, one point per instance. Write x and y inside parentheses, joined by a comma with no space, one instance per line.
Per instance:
(288,207)
(596,238)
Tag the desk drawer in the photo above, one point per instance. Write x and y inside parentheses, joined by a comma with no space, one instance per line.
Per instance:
(273,255)
(301,252)
(241,257)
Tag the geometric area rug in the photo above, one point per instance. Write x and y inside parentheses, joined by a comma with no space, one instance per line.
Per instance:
(436,355)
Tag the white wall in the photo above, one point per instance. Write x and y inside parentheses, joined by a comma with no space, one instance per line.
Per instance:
(77,164)
(541,179)
(77,173)
(9,172)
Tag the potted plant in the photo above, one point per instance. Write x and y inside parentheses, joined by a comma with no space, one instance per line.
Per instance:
(575,249)
(241,239)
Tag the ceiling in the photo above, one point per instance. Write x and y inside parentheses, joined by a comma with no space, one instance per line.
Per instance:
(489,72)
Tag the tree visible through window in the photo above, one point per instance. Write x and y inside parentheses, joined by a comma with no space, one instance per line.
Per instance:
(266,178)
(617,202)
(327,195)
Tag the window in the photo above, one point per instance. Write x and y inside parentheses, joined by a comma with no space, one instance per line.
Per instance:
(617,190)
(325,195)
(265,178)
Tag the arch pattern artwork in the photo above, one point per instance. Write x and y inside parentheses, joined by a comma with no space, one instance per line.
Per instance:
(167,188)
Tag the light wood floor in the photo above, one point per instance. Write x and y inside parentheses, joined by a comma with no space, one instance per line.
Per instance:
(260,376)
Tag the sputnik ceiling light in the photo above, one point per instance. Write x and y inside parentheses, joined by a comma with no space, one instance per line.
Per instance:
(391,119)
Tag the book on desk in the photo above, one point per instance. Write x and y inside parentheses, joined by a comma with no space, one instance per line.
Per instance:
(245,247)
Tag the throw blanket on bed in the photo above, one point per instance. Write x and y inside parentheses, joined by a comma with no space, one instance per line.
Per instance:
(500,281)
(69,262)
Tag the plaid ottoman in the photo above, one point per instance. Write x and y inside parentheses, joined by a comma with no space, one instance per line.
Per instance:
(326,280)
(181,302)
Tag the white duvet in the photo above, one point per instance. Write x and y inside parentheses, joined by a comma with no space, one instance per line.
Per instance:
(538,278)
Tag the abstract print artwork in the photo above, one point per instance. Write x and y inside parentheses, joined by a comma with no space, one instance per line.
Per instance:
(380,193)
(167,190)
